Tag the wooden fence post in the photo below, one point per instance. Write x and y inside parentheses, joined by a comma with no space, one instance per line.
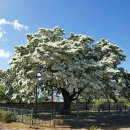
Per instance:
(31,115)
(54,115)
(22,115)
(77,118)
(99,116)
(117,114)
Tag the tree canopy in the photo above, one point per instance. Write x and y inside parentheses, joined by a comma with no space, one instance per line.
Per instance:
(74,66)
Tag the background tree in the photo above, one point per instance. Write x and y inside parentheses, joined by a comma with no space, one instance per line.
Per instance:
(2,93)
(124,78)
(1,76)
(74,66)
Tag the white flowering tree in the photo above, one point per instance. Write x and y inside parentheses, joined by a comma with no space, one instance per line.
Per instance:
(74,65)
(123,78)
(3,96)
(1,76)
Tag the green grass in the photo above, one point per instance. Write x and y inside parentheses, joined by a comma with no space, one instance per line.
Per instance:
(93,128)
(7,116)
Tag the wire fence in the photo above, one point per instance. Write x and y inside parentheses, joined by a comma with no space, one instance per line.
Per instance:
(98,116)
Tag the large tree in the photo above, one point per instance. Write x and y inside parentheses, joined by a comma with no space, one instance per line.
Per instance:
(74,66)
(3,96)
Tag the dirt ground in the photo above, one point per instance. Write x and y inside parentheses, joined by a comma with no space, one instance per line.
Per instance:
(20,126)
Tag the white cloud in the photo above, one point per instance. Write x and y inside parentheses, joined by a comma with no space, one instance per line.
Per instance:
(4,54)
(3,22)
(16,25)
(2,32)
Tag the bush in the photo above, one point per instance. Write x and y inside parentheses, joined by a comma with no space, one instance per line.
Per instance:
(93,128)
(7,116)
(127,104)
(58,121)
(99,102)
(27,118)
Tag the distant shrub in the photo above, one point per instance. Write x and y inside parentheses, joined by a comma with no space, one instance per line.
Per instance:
(123,100)
(27,118)
(7,116)
(127,104)
(93,128)
(99,102)
(58,121)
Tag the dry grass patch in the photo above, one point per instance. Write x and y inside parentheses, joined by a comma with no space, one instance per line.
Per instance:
(15,125)
(21,126)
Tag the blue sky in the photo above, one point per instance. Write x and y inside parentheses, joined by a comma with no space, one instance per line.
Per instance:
(96,18)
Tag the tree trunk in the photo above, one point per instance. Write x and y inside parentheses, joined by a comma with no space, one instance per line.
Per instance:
(67,101)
